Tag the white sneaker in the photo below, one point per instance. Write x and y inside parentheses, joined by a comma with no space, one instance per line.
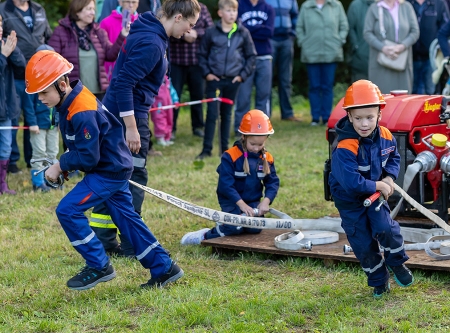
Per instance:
(161,142)
(169,142)
(194,237)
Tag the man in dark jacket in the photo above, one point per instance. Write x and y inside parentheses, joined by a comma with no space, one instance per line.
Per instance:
(431,15)
(28,19)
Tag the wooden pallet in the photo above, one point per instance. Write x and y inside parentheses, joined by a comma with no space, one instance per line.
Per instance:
(330,253)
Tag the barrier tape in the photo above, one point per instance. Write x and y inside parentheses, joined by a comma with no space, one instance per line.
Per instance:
(13,127)
(206,100)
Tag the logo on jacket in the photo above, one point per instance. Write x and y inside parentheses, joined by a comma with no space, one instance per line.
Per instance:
(259,126)
(87,135)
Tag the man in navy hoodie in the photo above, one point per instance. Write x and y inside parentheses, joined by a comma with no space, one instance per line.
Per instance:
(258,17)
(138,73)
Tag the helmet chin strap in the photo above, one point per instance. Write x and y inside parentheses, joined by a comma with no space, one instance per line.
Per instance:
(60,92)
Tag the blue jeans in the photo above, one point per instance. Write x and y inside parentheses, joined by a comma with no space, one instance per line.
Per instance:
(228,90)
(321,81)
(283,53)
(27,106)
(5,141)
(423,83)
(262,79)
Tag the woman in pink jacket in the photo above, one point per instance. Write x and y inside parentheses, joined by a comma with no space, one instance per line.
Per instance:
(113,25)
(83,43)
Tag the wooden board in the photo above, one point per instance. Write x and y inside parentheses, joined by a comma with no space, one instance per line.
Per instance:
(264,243)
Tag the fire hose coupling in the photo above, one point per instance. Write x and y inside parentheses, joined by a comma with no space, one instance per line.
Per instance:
(427,159)
(370,200)
(59,181)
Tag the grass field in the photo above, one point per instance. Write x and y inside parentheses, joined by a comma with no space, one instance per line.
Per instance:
(245,293)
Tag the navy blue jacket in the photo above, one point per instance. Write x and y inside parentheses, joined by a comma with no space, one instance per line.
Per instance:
(8,100)
(93,136)
(235,185)
(357,163)
(259,20)
(139,70)
(432,15)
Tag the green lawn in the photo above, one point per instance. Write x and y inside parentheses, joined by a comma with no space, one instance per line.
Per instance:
(245,293)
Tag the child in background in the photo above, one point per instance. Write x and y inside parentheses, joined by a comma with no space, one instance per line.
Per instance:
(115,22)
(44,136)
(96,145)
(245,171)
(163,119)
(10,56)
(364,161)
(226,57)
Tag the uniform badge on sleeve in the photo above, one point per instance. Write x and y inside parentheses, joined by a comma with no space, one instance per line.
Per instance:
(87,135)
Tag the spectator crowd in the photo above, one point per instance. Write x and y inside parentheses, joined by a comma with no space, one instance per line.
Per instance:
(250,46)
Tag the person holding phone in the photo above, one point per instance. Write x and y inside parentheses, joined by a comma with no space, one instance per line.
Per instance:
(86,45)
(113,24)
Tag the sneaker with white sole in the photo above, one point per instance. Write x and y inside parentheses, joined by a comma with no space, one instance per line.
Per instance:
(194,237)
(173,274)
(89,277)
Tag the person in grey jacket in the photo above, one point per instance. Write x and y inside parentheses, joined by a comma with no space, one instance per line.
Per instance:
(322,28)
(226,57)
(358,59)
(405,33)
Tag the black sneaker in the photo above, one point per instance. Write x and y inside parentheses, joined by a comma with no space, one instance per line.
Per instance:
(380,290)
(89,277)
(402,275)
(203,155)
(172,275)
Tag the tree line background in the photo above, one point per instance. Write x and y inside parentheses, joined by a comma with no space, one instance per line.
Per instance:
(57,9)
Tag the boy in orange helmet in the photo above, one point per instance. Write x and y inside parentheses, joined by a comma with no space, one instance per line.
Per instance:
(96,146)
(245,171)
(364,161)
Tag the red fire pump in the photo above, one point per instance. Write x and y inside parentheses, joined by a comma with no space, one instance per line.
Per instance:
(421,126)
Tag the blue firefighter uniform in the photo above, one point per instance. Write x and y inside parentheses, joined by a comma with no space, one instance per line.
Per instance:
(95,142)
(356,164)
(235,185)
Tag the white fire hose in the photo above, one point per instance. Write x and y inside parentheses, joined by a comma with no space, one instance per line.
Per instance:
(287,223)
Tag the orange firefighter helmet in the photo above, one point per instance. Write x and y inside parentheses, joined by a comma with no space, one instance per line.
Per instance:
(363,93)
(43,69)
(256,122)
